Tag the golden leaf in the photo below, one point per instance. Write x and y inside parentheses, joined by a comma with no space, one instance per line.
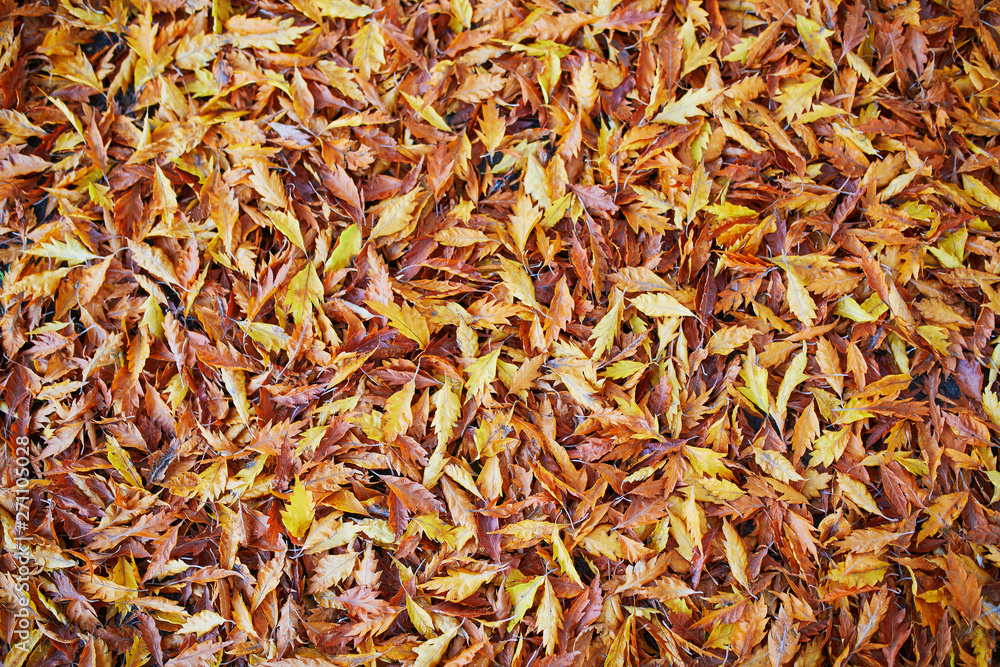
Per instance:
(736,555)
(660,305)
(549,619)
(71,251)
(407,320)
(299,510)
(201,623)
(396,215)
(814,39)
(369,49)
(481,373)
(398,412)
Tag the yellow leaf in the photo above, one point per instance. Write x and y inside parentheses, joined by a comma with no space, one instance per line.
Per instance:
(718,490)
(304,291)
(459,584)
(104,355)
(606,330)
(492,127)
(71,251)
(299,510)
(829,447)
(536,183)
(705,461)
(347,248)
(755,378)
(855,491)
(258,33)
(852,310)
(427,112)
(154,261)
(549,619)
(268,184)
(936,336)
(796,98)
(564,558)
(397,215)
(399,412)
(978,190)
(343,9)
(462,11)
(679,111)
(421,620)
(122,462)
(800,302)
(724,341)
(584,86)
(289,226)
(858,571)
(518,282)
(660,304)
(164,198)
(794,376)
(814,40)
(447,410)
(331,569)
(406,319)
(460,237)
(236,386)
(551,72)
(619,645)
(776,465)
(736,555)
(522,596)
(481,373)
(201,623)
(523,219)
(369,49)
(942,513)
(701,188)
(991,405)
(468,340)
(270,336)
(429,653)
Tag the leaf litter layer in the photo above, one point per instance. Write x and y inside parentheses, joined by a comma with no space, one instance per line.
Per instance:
(469,333)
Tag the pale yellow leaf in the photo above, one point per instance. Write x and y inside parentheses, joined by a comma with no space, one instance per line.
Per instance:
(70,251)
(776,465)
(736,555)
(369,49)
(660,305)
(201,623)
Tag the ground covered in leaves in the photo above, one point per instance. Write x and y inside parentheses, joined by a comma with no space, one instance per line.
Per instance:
(498,333)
